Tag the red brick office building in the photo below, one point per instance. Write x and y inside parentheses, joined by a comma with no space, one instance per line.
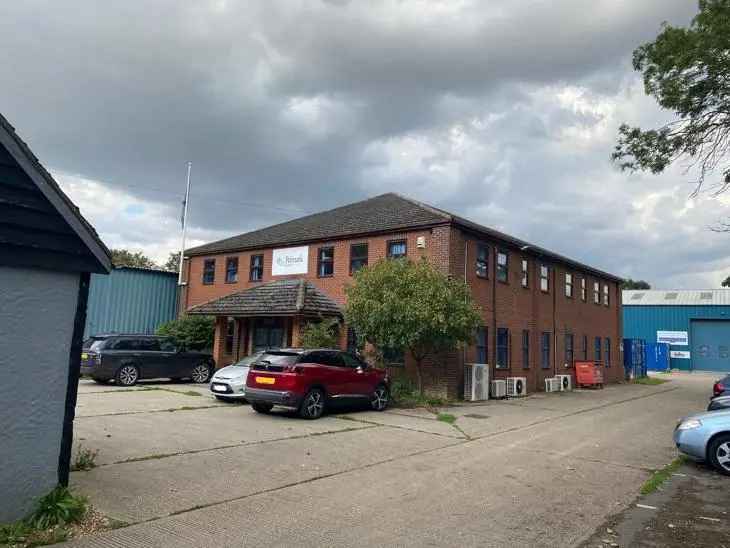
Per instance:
(541,310)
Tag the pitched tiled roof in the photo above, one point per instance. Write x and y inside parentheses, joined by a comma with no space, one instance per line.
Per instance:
(282,297)
(385,213)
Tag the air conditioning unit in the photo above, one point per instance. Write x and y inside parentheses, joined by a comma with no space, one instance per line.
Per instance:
(476,381)
(516,386)
(498,389)
(566,382)
(552,385)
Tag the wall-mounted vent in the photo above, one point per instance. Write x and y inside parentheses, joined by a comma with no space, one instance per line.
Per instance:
(706,295)
(636,296)
(670,296)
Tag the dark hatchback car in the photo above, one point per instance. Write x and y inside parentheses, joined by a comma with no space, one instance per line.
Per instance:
(129,358)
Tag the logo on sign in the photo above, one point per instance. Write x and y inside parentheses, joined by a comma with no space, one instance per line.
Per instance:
(290,260)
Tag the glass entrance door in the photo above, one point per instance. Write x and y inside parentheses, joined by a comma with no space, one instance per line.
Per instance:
(268,333)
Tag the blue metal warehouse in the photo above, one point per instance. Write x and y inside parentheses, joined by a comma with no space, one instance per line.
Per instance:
(695,323)
(131,300)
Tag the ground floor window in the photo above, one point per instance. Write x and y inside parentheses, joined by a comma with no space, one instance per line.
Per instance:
(525,349)
(230,330)
(607,352)
(502,348)
(545,350)
(481,345)
(569,349)
(394,356)
(585,347)
(597,350)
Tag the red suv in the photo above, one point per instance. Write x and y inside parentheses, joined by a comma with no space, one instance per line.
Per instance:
(309,380)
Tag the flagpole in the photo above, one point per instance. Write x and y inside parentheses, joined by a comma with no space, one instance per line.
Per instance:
(184,227)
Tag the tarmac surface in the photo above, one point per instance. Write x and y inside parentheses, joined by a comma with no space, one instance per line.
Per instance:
(547,470)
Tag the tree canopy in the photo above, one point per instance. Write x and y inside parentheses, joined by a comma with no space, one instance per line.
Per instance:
(192,332)
(321,334)
(124,257)
(687,71)
(726,282)
(400,304)
(635,284)
(173,262)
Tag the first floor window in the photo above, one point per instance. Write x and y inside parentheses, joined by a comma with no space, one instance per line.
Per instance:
(209,272)
(482,345)
(585,347)
(607,352)
(605,294)
(231,270)
(502,267)
(545,350)
(326,262)
(569,349)
(525,278)
(502,348)
(256,273)
(358,257)
(397,249)
(525,349)
(482,261)
(544,278)
(596,293)
(230,330)
(583,289)
(568,285)
(597,350)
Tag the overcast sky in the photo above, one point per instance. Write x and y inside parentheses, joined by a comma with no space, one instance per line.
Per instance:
(504,112)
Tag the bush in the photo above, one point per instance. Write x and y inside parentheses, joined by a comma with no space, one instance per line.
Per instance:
(86,459)
(58,507)
(322,334)
(190,332)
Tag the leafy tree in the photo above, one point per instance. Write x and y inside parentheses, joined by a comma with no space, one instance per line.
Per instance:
(321,334)
(726,282)
(399,304)
(124,257)
(635,284)
(192,332)
(687,71)
(173,262)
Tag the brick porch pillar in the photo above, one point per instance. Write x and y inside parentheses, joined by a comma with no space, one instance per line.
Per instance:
(219,342)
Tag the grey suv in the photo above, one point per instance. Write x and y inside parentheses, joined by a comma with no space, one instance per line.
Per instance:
(129,358)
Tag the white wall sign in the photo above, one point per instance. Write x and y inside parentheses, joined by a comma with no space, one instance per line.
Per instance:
(290,260)
(673,337)
(681,354)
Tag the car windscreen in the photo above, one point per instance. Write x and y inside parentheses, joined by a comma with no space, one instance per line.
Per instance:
(248,360)
(94,344)
(279,358)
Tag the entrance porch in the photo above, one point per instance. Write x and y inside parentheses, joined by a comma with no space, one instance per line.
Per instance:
(266,316)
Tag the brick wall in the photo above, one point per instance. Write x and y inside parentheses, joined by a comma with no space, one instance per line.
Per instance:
(503,304)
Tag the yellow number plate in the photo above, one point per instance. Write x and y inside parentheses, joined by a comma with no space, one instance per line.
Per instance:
(84,356)
(265,380)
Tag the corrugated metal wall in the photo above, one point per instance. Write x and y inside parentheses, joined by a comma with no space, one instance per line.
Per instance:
(642,322)
(130,300)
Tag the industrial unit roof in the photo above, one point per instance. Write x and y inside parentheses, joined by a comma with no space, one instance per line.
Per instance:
(676,297)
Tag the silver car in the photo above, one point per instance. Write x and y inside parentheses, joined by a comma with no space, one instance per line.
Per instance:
(229,383)
(706,437)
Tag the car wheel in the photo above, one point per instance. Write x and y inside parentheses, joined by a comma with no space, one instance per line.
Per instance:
(312,405)
(380,398)
(201,373)
(719,453)
(261,407)
(127,375)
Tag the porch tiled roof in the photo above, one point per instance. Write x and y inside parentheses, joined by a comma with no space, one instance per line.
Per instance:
(278,298)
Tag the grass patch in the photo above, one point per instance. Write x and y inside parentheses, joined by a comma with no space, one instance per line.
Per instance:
(404,394)
(651,381)
(448,418)
(85,460)
(50,522)
(660,476)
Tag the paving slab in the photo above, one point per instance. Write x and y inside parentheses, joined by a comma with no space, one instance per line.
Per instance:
(138,401)
(134,436)
(138,491)
(426,424)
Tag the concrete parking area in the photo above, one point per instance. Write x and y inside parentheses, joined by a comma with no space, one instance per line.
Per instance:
(547,470)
